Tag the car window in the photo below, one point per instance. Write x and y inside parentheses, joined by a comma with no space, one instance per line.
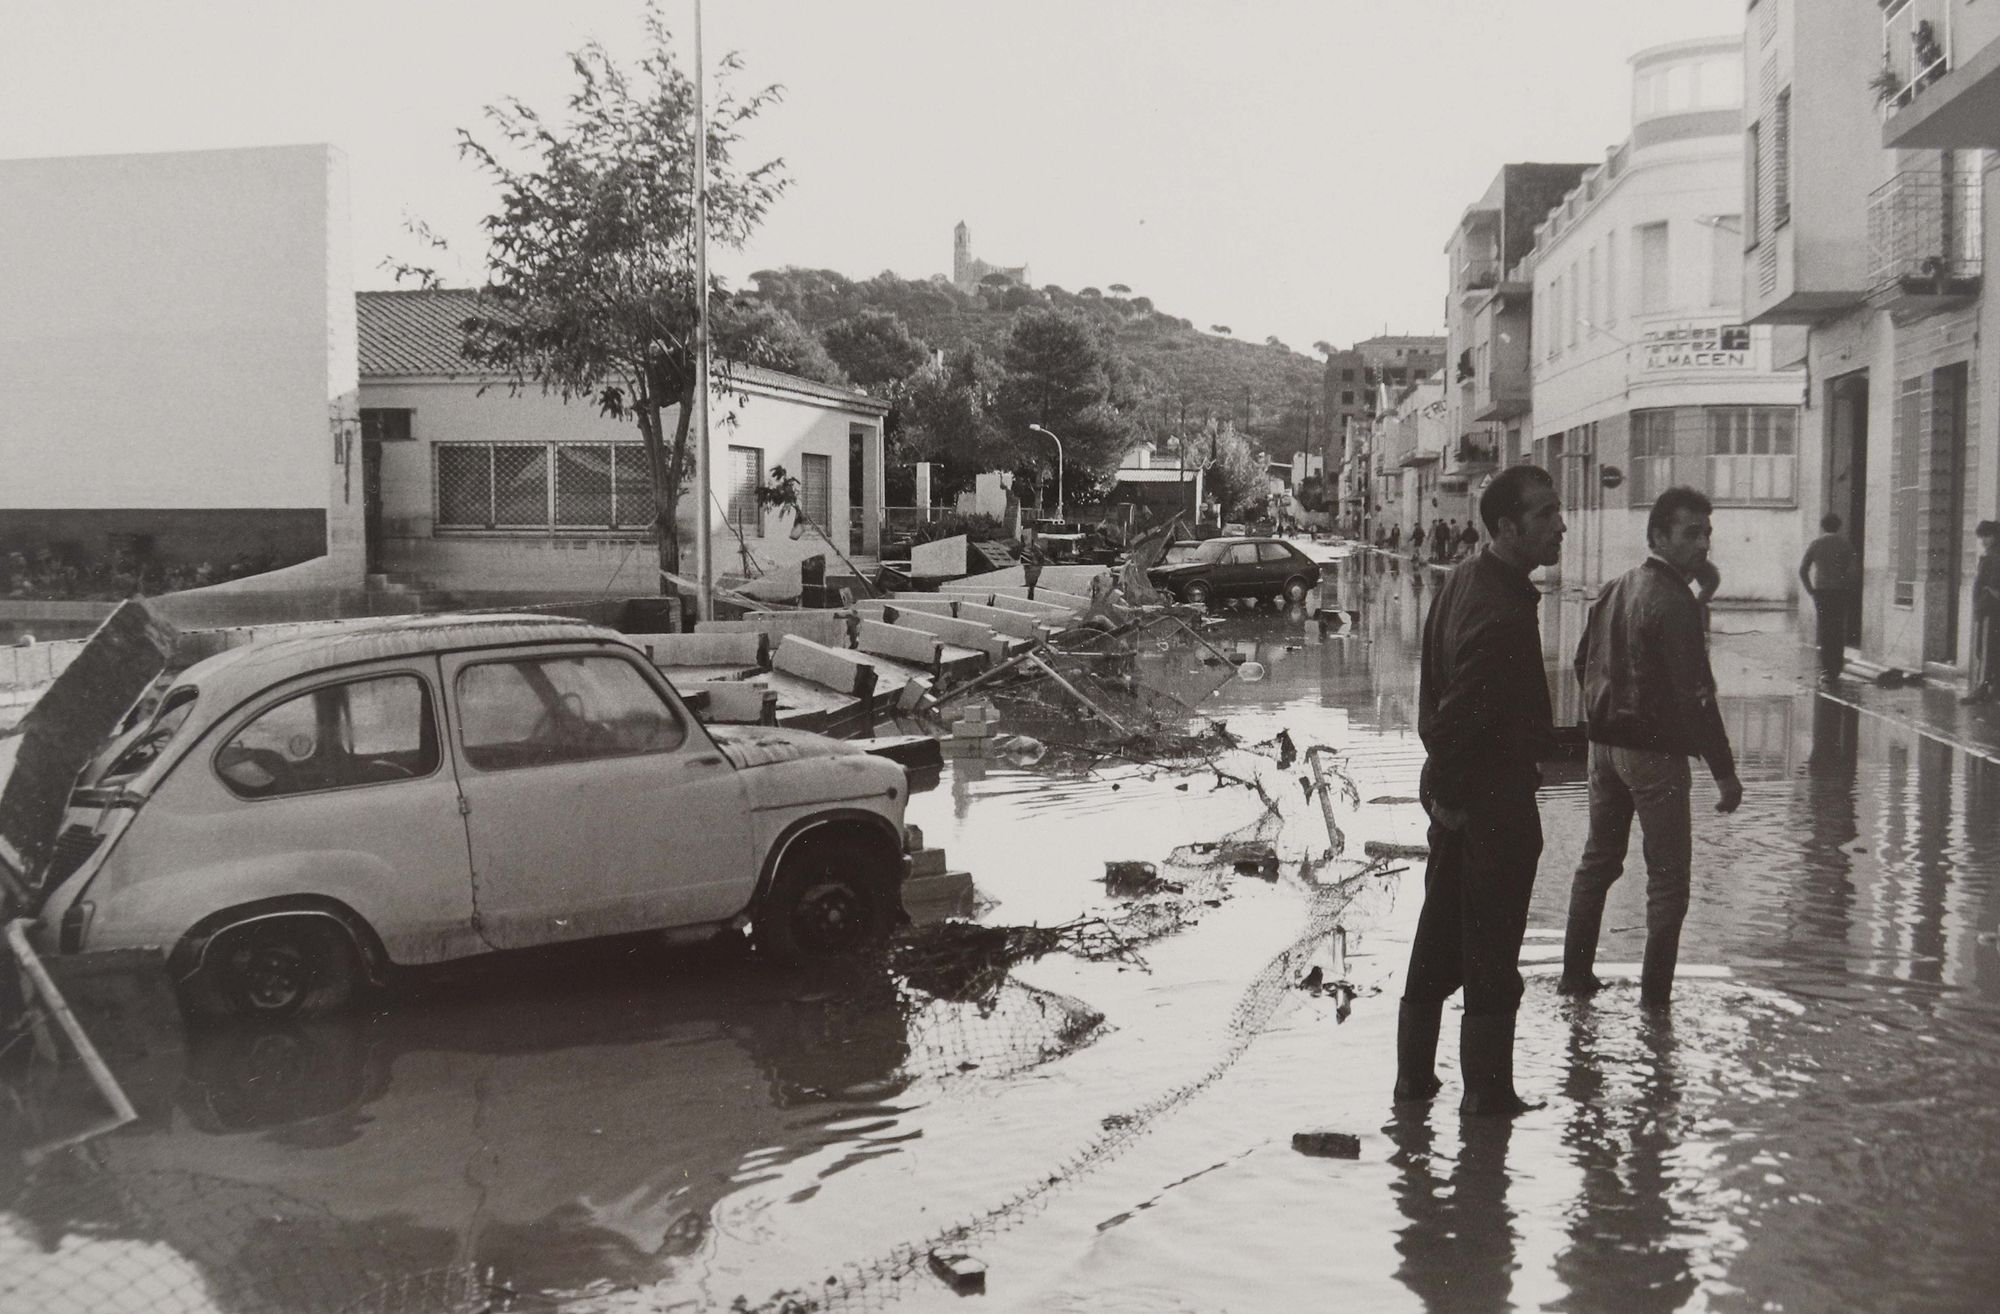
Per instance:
(171,714)
(1272,552)
(362,732)
(560,709)
(1242,554)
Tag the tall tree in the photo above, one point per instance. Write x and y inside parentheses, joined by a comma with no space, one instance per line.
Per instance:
(590,267)
(1061,373)
(755,334)
(875,348)
(947,420)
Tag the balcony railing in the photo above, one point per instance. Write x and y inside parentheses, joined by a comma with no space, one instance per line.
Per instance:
(1916,50)
(1924,234)
(1472,452)
(1478,275)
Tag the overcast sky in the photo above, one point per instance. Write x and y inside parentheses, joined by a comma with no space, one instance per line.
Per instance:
(1280,166)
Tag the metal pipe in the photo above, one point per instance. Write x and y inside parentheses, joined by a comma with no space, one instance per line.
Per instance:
(45,986)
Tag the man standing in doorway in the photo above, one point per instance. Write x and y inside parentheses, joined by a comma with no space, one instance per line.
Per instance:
(1831,575)
(1649,703)
(1985,613)
(1483,714)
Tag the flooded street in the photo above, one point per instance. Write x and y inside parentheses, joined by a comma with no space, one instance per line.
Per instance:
(1813,1129)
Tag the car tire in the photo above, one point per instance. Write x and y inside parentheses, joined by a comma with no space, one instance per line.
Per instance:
(1196,593)
(828,902)
(1296,588)
(276,969)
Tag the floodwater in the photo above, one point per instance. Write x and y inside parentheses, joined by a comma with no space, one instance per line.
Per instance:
(1813,1128)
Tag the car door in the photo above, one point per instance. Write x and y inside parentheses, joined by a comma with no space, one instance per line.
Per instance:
(336,787)
(1237,574)
(594,804)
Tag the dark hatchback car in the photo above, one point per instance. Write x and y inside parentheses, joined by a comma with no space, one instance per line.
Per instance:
(1239,568)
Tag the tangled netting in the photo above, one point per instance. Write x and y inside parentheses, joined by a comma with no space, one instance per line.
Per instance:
(874,1283)
(197,1243)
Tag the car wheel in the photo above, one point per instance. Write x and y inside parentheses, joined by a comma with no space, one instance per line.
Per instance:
(1296,589)
(828,902)
(281,968)
(1195,593)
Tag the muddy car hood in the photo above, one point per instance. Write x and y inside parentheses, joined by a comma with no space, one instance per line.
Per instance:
(748,746)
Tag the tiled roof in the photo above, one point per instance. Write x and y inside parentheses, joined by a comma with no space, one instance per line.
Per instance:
(417,333)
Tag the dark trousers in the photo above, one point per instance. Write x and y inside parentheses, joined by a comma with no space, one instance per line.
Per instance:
(1983,654)
(1476,890)
(1832,605)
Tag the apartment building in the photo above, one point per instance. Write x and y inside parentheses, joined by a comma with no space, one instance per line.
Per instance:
(1486,317)
(1867,145)
(1644,374)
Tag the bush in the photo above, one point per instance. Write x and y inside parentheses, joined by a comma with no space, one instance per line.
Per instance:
(976,528)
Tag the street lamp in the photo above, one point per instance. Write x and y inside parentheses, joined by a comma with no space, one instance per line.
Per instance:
(1059,465)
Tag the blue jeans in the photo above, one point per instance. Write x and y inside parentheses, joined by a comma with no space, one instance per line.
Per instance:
(1625,782)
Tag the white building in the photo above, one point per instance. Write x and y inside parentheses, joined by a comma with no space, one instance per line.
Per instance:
(1643,367)
(177,347)
(478,489)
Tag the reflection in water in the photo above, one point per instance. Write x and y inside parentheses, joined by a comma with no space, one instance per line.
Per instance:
(1626,1250)
(557,1134)
(1457,1245)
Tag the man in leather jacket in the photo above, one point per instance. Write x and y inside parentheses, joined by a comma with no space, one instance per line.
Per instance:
(1649,702)
(1483,714)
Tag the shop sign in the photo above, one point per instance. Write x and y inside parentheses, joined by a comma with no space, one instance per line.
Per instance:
(1695,346)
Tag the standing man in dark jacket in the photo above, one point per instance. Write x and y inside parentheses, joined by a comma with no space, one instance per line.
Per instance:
(1831,576)
(1649,701)
(1483,713)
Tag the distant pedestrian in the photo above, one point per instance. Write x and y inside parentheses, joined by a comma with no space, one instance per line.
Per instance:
(1440,540)
(1649,703)
(1985,613)
(1468,539)
(1417,540)
(1483,714)
(1831,575)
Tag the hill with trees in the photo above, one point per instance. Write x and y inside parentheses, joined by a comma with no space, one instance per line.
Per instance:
(1104,362)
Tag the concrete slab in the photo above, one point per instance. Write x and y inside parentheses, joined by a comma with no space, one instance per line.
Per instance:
(837,669)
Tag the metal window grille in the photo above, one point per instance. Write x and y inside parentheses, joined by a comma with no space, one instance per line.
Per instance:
(543,486)
(583,485)
(631,487)
(520,486)
(816,488)
(1924,227)
(464,485)
(746,476)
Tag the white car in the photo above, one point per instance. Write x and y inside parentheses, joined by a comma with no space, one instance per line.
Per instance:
(303,814)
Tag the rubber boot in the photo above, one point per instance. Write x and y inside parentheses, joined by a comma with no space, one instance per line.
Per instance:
(1656,975)
(1416,1050)
(1580,949)
(1486,1055)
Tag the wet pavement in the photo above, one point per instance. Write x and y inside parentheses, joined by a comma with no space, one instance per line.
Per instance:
(1813,1128)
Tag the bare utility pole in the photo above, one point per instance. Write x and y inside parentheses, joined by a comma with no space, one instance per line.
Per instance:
(704,476)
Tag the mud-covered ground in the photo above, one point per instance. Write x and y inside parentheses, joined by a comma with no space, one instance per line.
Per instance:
(1813,1129)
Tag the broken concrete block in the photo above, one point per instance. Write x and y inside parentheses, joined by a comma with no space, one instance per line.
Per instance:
(960,1271)
(1384,849)
(972,729)
(1130,877)
(927,862)
(1327,1144)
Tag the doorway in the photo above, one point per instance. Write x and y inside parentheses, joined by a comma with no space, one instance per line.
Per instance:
(1845,476)
(1945,525)
(371,504)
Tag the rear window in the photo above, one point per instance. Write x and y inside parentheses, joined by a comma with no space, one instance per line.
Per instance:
(168,718)
(363,732)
